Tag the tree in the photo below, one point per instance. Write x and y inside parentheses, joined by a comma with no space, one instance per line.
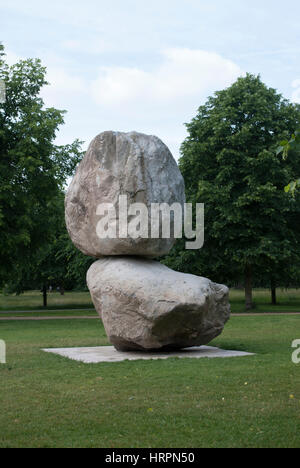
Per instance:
(229,163)
(33,170)
(57,264)
(61,264)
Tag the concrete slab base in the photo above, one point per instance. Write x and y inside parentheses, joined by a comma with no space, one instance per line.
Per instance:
(110,354)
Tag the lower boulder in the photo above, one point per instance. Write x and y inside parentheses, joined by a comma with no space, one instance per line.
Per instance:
(144,305)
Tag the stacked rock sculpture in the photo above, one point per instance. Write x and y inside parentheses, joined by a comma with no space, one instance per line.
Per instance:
(143,304)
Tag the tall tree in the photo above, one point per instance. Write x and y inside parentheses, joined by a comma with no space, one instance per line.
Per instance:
(229,162)
(33,170)
(58,263)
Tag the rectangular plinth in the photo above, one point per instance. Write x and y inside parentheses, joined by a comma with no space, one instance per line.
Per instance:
(110,354)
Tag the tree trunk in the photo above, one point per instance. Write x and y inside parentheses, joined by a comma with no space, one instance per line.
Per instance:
(248,288)
(273,290)
(45,295)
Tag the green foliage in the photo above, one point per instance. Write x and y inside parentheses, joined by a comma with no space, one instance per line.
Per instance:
(229,163)
(72,265)
(58,263)
(285,147)
(33,170)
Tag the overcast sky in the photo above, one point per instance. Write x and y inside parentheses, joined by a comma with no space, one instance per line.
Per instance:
(148,65)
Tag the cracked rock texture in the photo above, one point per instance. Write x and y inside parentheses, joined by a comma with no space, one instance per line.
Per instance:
(146,306)
(132,164)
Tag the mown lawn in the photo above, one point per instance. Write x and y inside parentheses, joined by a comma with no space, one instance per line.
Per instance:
(288,300)
(33,300)
(51,313)
(51,401)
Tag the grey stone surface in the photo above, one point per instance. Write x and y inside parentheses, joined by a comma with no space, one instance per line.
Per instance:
(110,354)
(132,164)
(145,305)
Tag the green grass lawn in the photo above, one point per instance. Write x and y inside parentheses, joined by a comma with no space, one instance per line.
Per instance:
(51,401)
(33,300)
(288,301)
(51,313)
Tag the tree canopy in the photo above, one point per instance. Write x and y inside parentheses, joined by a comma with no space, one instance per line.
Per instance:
(57,263)
(229,162)
(33,169)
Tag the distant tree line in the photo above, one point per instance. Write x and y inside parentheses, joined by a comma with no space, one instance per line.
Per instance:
(34,246)
(230,161)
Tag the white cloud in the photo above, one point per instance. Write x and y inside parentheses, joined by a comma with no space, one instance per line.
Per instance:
(161,100)
(184,74)
(156,101)
(11,58)
(64,82)
(65,86)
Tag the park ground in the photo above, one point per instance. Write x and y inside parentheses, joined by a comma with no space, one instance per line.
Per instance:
(51,401)
(78,303)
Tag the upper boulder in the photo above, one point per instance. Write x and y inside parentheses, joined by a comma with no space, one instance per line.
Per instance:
(133,164)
